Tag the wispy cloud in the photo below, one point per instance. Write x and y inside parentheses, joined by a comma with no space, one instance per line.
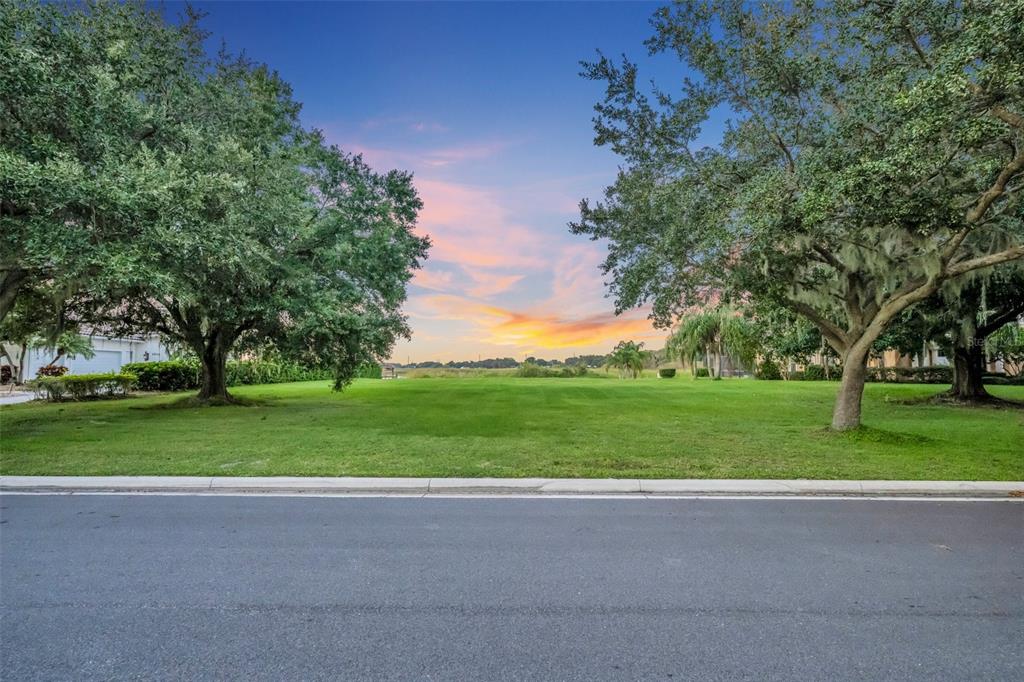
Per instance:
(428,127)
(433,280)
(486,284)
(503,274)
(408,123)
(470,226)
(447,156)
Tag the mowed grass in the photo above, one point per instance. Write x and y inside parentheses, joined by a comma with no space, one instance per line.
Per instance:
(504,426)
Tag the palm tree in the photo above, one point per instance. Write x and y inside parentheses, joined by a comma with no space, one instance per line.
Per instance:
(712,334)
(629,358)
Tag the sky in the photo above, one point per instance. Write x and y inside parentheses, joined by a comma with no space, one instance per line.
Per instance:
(484,104)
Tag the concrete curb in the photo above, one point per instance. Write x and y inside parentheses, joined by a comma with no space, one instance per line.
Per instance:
(521,486)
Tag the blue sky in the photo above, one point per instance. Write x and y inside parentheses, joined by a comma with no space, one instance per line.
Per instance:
(483,102)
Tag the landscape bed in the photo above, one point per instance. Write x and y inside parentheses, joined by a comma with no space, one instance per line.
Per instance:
(510,427)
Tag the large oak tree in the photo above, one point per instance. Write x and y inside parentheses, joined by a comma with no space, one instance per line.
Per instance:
(85,96)
(268,237)
(874,151)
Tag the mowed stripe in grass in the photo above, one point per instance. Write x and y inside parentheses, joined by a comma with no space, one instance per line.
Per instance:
(505,426)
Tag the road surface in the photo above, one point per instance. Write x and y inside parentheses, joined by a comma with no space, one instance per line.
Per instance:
(193,587)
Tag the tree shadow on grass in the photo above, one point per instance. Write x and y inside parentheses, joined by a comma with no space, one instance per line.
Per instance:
(947,399)
(869,434)
(192,402)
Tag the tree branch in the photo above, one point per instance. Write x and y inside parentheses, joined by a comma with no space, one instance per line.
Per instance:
(960,268)
(998,321)
(835,336)
(997,189)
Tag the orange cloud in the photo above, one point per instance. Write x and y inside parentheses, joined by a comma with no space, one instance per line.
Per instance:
(502,327)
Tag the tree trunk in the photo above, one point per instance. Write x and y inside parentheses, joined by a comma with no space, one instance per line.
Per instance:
(968,370)
(846,413)
(214,357)
(21,363)
(10,285)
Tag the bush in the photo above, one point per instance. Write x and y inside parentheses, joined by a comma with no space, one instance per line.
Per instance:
(531,370)
(666,373)
(51,371)
(182,375)
(702,372)
(1003,380)
(814,373)
(369,370)
(769,371)
(911,375)
(249,372)
(169,375)
(84,386)
(575,370)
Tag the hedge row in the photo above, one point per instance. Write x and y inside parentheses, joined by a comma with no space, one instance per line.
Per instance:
(531,370)
(170,375)
(911,375)
(84,386)
(891,375)
(181,375)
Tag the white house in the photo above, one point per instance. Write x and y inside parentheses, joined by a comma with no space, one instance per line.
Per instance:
(109,355)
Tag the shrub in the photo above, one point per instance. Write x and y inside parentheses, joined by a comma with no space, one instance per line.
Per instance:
(531,370)
(84,386)
(51,371)
(1003,380)
(575,370)
(702,372)
(814,373)
(370,370)
(249,372)
(456,373)
(666,373)
(169,375)
(911,375)
(769,371)
(181,375)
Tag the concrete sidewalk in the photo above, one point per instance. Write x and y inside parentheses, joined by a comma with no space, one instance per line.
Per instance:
(515,486)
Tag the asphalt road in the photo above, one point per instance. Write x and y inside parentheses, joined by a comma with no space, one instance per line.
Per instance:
(180,587)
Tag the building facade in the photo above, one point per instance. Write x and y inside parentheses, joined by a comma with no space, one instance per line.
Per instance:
(109,355)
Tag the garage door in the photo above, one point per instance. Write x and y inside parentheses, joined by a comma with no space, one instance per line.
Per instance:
(103,361)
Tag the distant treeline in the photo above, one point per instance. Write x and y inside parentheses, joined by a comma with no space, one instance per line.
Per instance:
(509,363)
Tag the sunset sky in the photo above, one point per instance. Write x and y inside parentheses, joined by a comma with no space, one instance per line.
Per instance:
(484,103)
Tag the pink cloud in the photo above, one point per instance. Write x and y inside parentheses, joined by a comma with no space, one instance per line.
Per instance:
(471,226)
(453,155)
(382,158)
(486,284)
(429,279)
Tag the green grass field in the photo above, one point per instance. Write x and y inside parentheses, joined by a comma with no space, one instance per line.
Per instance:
(505,426)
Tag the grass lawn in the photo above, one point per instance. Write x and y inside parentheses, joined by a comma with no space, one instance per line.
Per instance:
(505,426)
